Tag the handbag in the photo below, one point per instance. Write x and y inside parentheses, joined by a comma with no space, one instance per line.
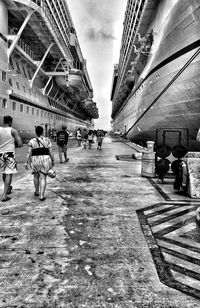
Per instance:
(51,173)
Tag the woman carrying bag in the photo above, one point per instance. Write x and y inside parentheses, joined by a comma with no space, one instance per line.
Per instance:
(41,160)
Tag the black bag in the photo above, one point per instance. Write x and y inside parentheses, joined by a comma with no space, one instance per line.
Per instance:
(40,151)
(61,138)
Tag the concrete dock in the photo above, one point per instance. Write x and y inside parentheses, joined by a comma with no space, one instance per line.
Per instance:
(104,237)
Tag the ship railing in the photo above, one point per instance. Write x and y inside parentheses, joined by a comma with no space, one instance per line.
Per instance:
(27,49)
(38,2)
(59,26)
(139,9)
(54,27)
(22,44)
(45,9)
(53,104)
(49,17)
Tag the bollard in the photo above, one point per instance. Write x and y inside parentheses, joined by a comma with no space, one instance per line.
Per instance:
(148,164)
(150,146)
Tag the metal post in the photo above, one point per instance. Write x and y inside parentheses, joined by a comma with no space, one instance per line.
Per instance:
(44,89)
(50,89)
(55,95)
(37,70)
(61,96)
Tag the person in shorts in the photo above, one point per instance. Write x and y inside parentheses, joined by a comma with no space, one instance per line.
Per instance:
(62,141)
(41,159)
(78,136)
(99,142)
(9,137)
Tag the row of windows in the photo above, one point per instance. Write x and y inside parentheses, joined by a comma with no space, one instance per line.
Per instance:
(37,94)
(19,86)
(30,110)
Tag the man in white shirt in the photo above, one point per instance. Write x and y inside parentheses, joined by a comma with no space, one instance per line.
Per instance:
(8,139)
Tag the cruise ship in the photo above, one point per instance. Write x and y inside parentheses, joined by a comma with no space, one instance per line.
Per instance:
(156,83)
(43,74)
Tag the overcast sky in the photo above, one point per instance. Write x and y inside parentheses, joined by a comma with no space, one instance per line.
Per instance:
(99,25)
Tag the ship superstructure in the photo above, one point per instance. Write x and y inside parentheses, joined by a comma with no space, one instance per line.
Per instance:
(44,78)
(156,82)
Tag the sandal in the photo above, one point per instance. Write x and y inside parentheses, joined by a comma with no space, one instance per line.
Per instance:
(36,194)
(42,199)
(6,199)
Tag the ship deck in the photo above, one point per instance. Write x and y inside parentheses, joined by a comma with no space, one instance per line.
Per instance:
(104,237)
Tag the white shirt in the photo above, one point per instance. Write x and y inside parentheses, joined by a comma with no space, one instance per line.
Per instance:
(7,142)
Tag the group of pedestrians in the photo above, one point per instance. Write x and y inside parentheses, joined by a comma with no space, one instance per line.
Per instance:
(86,137)
(39,158)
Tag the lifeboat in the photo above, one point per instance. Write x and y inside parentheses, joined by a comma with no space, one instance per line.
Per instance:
(73,84)
(90,107)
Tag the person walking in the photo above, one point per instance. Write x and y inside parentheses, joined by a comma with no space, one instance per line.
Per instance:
(99,140)
(62,141)
(85,138)
(90,139)
(9,139)
(78,136)
(54,134)
(41,159)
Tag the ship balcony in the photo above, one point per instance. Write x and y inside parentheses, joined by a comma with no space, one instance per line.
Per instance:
(27,50)
(49,23)
(57,18)
(23,46)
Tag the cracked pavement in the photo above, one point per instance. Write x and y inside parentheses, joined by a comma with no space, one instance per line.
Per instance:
(83,246)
